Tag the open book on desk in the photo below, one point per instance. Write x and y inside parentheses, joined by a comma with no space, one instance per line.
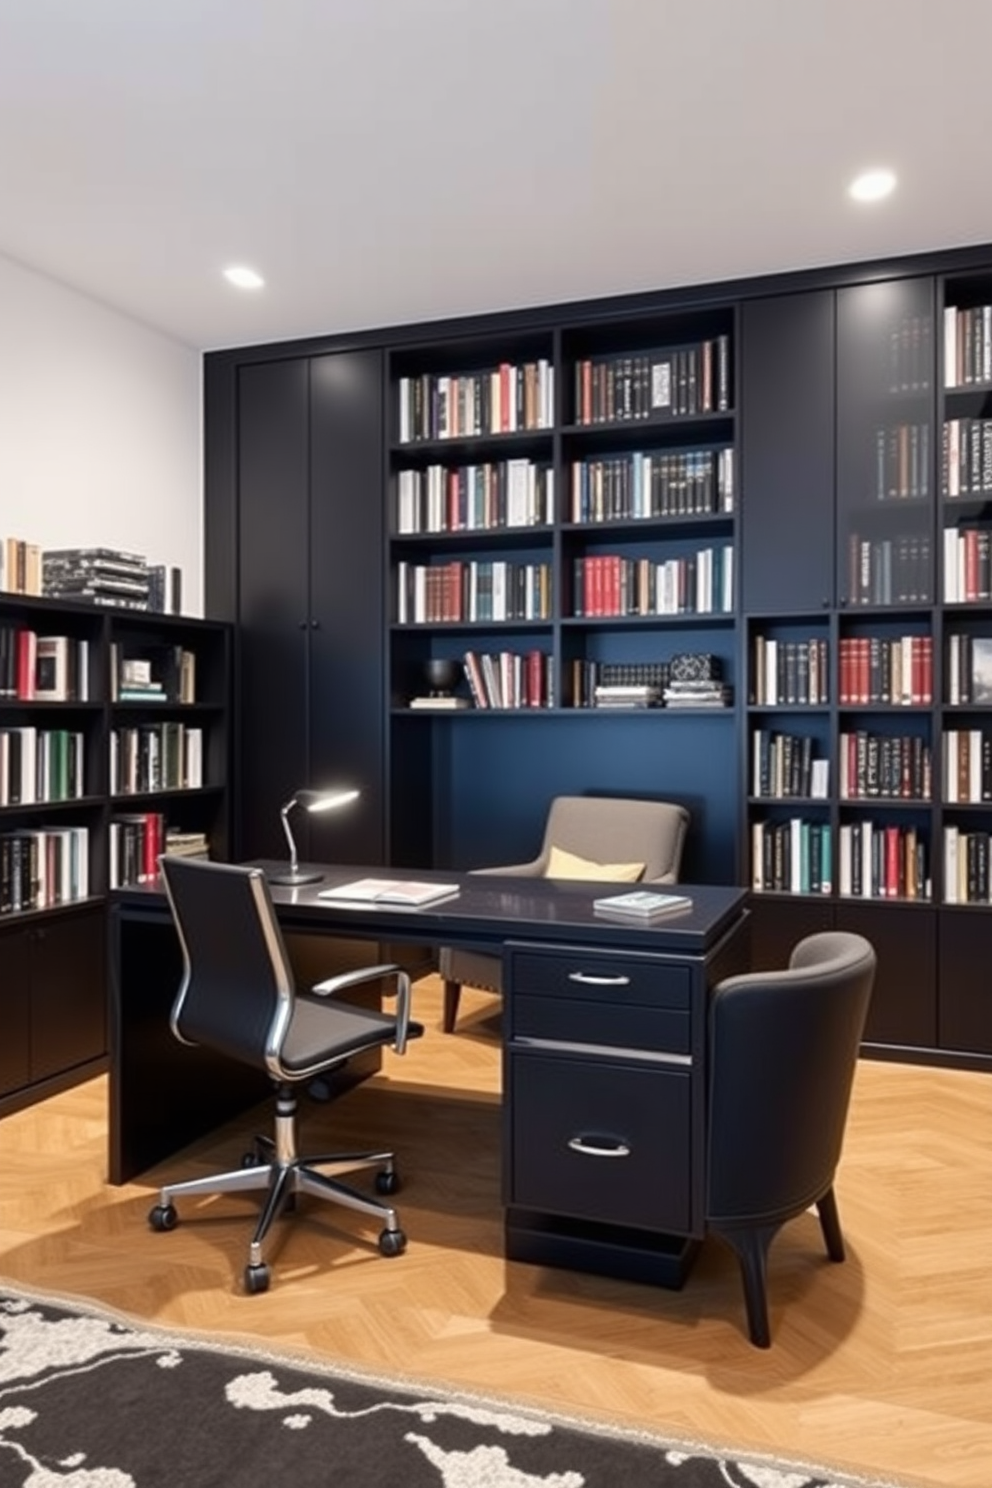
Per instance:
(392,891)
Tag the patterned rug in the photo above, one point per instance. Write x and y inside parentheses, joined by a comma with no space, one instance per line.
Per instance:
(92,1399)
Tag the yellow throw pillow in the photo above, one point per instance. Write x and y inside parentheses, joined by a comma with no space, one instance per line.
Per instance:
(563,864)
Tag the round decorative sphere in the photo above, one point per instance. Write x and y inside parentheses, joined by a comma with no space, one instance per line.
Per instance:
(442,672)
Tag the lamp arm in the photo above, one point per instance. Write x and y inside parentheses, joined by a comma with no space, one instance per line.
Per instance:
(284,817)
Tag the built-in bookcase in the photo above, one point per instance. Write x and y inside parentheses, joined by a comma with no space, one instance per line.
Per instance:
(790,476)
(562,521)
(91,760)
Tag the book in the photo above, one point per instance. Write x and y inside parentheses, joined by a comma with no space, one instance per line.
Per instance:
(641,904)
(439,702)
(409,892)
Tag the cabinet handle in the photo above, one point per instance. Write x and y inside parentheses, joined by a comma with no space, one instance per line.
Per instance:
(598,1146)
(589,980)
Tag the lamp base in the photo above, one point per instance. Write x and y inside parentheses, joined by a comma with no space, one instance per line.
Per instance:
(291,879)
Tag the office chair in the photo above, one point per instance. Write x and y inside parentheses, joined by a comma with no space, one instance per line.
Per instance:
(603,829)
(238,997)
(783,1046)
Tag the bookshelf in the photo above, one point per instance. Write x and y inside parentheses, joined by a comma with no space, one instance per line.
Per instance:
(584,535)
(60,809)
(574,496)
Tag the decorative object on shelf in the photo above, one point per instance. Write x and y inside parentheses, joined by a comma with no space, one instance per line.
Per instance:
(695,666)
(442,673)
(310,800)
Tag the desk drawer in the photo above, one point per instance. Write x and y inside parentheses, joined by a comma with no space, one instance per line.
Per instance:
(617,1026)
(569,1113)
(599,976)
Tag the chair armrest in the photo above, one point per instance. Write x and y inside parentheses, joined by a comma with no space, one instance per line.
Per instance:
(400,989)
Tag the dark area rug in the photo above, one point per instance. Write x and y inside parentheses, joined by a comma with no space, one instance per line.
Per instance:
(91,1399)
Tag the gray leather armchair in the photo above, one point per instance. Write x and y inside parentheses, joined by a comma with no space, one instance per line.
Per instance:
(783,1051)
(599,828)
(238,998)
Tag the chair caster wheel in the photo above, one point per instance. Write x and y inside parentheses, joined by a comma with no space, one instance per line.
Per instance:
(257,1279)
(387,1182)
(251,1160)
(392,1243)
(163,1217)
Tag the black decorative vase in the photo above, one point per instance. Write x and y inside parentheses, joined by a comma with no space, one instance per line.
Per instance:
(442,674)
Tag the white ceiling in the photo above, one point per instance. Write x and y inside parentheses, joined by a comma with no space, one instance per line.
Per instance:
(385,161)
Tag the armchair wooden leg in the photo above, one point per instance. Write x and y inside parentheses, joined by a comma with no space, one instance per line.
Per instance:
(826,1208)
(452,994)
(751,1248)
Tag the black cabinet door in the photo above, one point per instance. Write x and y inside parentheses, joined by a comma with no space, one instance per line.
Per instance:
(885,443)
(347,663)
(787,450)
(965,999)
(271,747)
(903,1007)
(68,994)
(15,1043)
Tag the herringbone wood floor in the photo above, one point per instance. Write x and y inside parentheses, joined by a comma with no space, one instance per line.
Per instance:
(882,1365)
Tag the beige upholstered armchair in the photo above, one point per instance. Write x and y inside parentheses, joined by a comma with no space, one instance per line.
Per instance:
(599,829)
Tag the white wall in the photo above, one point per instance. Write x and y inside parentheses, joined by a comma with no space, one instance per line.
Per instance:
(100,429)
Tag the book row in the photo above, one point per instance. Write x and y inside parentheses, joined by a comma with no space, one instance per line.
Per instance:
(429,594)
(967,457)
(967,345)
(793,673)
(874,860)
(894,766)
(672,483)
(675,382)
(40,668)
(888,670)
(20,566)
(787,765)
(889,571)
(611,585)
(510,679)
(42,869)
(967,564)
(166,756)
(967,766)
(966,867)
(969,670)
(41,765)
(902,462)
(504,400)
(475,498)
(910,349)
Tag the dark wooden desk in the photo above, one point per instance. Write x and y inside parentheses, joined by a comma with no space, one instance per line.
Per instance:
(604,1053)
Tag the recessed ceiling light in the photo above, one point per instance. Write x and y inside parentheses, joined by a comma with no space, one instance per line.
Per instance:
(243,278)
(872,185)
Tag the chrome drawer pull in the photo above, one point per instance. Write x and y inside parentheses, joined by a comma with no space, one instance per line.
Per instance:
(599,1146)
(598,981)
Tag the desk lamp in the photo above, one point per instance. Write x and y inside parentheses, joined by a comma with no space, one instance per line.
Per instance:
(310,800)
